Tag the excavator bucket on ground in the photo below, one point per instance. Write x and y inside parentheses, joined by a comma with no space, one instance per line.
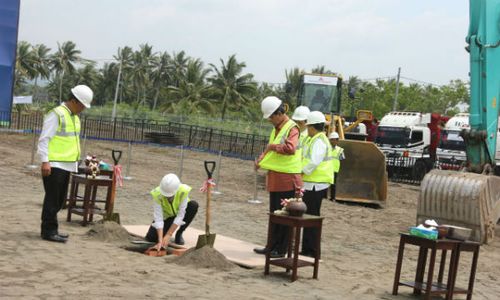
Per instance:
(362,177)
(464,199)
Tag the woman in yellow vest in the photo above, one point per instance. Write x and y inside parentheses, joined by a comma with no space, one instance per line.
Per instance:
(300,117)
(59,151)
(337,155)
(283,163)
(172,210)
(317,175)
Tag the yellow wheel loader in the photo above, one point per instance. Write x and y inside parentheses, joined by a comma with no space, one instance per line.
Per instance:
(362,177)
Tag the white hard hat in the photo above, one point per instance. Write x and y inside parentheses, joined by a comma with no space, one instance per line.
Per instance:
(333,135)
(169,185)
(300,113)
(315,117)
(83,94)
(269,105)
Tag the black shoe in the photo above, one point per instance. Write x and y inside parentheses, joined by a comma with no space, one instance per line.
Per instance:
(64,235)
(179,240)
(261,250)
(276,254)
(55,238)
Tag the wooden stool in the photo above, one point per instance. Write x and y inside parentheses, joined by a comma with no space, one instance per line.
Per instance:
(292,261)
(88,208)
(429,287)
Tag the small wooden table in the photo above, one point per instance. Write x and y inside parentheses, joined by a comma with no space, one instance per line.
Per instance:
(429,287)
(88,208)
(292,261)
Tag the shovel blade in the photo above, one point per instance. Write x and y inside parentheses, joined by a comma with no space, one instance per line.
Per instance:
(205,239)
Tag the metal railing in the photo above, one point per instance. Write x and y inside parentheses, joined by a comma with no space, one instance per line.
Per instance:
(230,143)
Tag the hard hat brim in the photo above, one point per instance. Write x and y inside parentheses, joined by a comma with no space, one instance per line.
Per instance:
(167,194)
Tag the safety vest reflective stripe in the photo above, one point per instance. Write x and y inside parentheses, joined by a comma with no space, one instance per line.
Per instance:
(283,163)
(170,209)
(324,171)
(64,146)
(336,153)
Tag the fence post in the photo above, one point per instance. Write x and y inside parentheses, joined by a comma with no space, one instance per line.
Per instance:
(142,131)
(181,162)
(210,139)
(129,158)
(253,142)
(255,199)
(32,164)
(217,176)
(114,128)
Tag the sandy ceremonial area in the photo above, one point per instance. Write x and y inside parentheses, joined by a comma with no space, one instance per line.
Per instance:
(359,244)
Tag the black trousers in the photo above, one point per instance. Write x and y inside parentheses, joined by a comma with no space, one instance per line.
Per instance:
(313,201)
(56,190)
(191,210)
(280,232)
(332,187)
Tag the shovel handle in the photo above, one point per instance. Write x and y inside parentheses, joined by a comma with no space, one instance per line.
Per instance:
(209,168)
(116,154)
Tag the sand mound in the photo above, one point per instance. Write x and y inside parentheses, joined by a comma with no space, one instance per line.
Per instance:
(109,232)
(205,257)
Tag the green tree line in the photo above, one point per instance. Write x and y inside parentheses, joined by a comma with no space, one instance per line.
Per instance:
(158,82)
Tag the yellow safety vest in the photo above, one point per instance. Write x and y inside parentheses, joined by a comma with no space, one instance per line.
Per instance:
(171,209)
(324,171)
(336,154)
(302,141)
(64,146)
(283,163)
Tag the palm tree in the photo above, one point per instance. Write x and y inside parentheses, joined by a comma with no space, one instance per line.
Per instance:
(124,57)
(233,88)
(42,64)
(64,60)
(25,64)
(140,70)
(293,83)
(192,95)
(162,74)
(179,61)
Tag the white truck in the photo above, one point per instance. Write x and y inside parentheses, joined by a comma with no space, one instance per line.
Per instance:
(405,139)
(451,150)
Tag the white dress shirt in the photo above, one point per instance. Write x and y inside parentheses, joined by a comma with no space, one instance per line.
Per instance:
(318,154)
(158,214)
(50,125)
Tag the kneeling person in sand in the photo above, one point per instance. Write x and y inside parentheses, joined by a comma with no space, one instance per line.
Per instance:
(172,210)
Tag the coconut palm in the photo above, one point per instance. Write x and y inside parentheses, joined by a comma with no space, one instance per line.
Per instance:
(233,89)
(179,61)
(161,75)
(42,64)
(141,67)
(192,95)
(64,60)
(25,64)
(123,57)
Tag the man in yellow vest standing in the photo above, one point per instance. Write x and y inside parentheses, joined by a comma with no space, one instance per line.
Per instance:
(284,167)
(337,155)
(317,175)
(59,151)
(172,210)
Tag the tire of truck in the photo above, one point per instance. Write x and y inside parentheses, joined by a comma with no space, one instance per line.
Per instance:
(419,170)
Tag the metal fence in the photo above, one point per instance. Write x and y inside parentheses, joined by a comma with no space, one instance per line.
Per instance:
(230,143)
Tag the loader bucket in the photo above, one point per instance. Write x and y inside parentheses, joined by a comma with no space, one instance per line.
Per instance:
(463,199)
(362,177)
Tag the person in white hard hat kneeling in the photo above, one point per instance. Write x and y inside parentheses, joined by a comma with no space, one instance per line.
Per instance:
(337,155)
(59,151)
(172,210)
(283,162)
(317,175)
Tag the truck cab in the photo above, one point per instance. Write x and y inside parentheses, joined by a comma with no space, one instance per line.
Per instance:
(405,140)
(451,150)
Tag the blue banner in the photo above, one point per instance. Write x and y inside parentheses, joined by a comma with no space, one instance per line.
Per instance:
(9,22)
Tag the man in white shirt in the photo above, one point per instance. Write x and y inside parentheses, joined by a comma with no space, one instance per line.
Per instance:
(59,151)
(317,173)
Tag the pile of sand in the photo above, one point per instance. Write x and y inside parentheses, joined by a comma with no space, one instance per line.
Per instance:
(109,232)
(206,257)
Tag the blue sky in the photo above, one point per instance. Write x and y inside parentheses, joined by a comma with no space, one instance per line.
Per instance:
(366,38)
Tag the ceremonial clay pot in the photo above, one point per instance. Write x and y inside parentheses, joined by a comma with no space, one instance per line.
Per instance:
(296,208)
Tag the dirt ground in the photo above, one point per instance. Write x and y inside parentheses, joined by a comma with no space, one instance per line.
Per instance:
(359,244)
